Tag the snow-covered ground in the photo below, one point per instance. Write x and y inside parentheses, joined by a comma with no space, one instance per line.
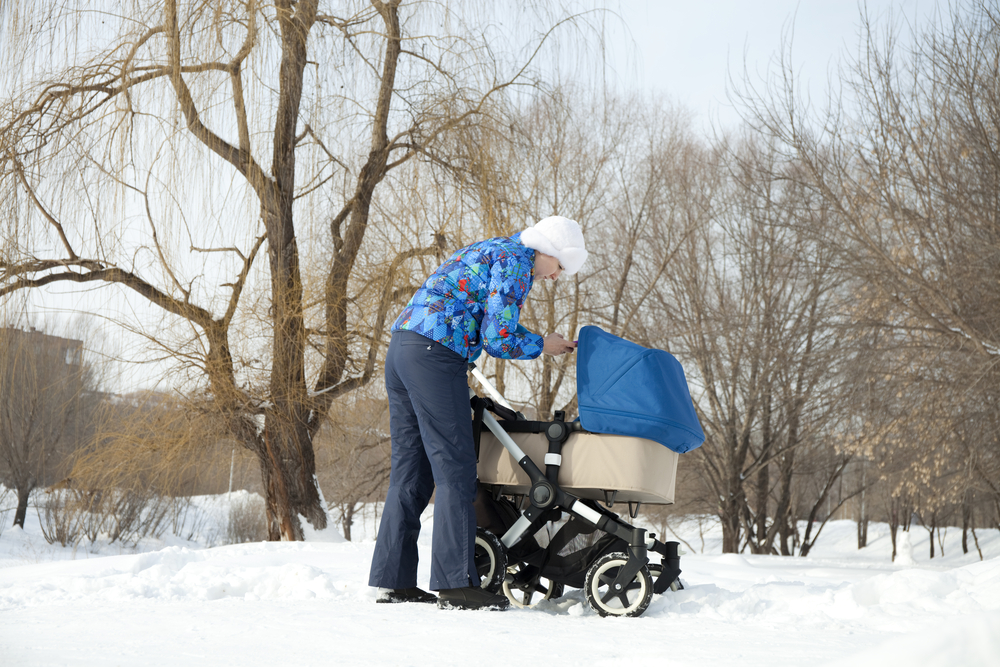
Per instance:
(176,602)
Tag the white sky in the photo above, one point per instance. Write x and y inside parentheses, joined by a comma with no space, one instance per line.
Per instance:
(687,49)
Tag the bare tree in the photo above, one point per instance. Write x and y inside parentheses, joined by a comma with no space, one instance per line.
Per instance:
(355,448)
(568,143)
(907,162)
(189,138)
(47,399)
(608,162)
(750,305)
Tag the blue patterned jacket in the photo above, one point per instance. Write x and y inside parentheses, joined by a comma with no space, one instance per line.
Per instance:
(473,301)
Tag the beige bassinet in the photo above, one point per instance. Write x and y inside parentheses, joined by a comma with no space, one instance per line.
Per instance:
(594,466)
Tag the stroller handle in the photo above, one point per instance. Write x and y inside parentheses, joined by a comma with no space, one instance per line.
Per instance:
(490,389)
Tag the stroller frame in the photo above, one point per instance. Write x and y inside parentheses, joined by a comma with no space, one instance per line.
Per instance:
(612,576)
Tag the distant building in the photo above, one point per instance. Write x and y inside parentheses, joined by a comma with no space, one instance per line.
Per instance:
(68,350)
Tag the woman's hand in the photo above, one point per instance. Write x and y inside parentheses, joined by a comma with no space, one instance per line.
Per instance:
(555,345)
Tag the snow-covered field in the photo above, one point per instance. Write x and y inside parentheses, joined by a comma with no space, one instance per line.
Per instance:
(176,602)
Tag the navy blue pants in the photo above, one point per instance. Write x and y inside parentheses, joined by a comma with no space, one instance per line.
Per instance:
(431,427)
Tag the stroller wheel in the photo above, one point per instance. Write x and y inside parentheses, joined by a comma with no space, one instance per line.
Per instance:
(631,600)
(491,560)
(528,591)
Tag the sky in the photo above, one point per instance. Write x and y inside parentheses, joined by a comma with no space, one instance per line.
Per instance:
(688,50)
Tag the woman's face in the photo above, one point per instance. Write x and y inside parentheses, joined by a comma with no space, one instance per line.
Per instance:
(547,267)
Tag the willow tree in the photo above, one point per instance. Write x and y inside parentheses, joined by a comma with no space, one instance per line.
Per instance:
(158,149)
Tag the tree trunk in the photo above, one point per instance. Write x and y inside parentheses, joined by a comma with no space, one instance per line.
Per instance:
(289,466)
(760,543)
(730,512)
(23,493)
(347,520)
(893,524)
(966,521)
(975,538)
(785,514)
(288,470)
(807,543)
(930,532)
(763,486)
(863,509)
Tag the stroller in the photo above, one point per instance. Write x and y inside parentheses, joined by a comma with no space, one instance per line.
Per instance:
(541,524)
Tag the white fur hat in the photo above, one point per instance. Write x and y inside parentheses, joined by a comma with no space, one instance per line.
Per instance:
(560,237)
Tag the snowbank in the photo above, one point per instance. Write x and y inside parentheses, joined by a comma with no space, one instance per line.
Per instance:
(259,604)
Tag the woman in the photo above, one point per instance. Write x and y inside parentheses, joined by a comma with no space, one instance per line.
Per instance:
(471,303)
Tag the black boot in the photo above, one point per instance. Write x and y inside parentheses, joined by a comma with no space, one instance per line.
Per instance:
(471,597)
(394,595)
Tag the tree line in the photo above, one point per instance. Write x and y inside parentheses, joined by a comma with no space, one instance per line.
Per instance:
(827,278)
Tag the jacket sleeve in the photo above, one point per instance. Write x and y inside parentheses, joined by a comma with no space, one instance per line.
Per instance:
(502,336)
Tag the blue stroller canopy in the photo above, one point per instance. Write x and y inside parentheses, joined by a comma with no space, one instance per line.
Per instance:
(626,389)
